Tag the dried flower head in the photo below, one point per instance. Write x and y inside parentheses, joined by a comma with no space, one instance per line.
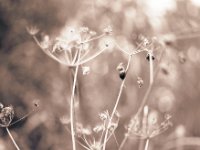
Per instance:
(1,106)
(85,70)
(32,30)
(108,30)
(6,116)
(140,82)
(99,128)
(104,115)
(122,71)
(148,126)
(71,46)
(82,131)
(84,29)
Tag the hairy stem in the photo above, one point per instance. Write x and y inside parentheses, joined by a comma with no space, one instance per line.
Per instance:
(13,140)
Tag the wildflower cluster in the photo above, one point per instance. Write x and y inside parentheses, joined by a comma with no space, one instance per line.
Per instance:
(86,135)
(147,126)
(73,47)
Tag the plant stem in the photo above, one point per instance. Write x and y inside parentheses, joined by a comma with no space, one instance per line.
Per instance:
(146,144)
(72,108)
(91,57)
(144,100)
(13,140)
(116,104)
(94,38)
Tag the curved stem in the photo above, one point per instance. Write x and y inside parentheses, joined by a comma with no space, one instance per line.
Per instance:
(144,100)
(48,53)
(94,38)
(13,140)
(91,57)
(121,49)
(116,104)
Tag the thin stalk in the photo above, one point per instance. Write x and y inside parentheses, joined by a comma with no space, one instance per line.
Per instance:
(121,49)
(94,38)
(49,53)
(13,140)
(72,109)
(115,106)
(151,78)
(146,144)
(91,57)
(22,118)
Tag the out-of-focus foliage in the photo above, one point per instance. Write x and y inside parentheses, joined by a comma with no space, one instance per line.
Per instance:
(26,73)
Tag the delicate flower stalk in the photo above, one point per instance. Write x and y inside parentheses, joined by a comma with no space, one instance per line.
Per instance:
(144,100)
(115,106)
(151,68)
(151,79)
(94,38)
(72,109)
(13,140)
(91,57)
(73,64)
(146,144)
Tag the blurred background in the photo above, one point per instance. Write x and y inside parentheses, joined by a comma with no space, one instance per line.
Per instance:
(28,74)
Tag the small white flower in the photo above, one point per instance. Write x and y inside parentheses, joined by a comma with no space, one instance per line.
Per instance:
(46,42)
(85,70)
(32,30)
(108,30)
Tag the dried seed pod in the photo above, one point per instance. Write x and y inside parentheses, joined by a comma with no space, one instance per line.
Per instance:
(140,82)
(32,30)
(148,57)
(36,103)
(122,75)
(182,58)
(122,71)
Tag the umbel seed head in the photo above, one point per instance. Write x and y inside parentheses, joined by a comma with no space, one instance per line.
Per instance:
(6,116)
